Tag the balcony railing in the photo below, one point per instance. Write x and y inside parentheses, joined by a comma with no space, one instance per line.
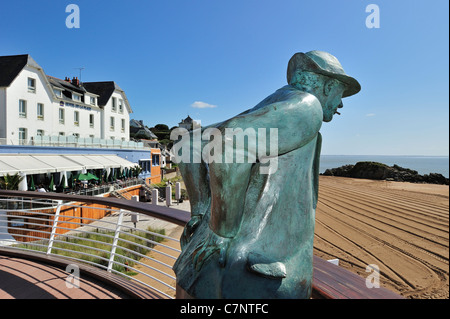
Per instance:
(72,141)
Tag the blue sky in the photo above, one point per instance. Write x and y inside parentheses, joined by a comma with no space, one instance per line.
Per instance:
(167,55)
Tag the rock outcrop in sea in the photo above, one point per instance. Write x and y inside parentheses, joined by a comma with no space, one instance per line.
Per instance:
(379,171)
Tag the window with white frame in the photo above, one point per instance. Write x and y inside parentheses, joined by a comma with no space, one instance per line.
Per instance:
(123,125)
(76,118)
(145,165)
(61,116)
(92,99)
(40,133)
(40,111)
(31,85)
(22,108)
(111,123)
(22,135)
(120,106)
(114,104)
(91,120)
(57,92)
(155,159)
(76,97)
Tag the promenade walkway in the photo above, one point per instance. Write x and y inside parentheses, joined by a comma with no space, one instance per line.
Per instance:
(27,279)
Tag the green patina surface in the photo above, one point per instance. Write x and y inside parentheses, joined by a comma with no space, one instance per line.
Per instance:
(251,233)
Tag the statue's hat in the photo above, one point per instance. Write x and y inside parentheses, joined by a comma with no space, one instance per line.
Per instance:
(322,63)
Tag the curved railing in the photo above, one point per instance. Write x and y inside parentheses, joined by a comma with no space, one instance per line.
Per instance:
(106,233)
(127,238)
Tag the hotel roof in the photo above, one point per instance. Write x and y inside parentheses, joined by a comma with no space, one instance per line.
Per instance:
(10,67)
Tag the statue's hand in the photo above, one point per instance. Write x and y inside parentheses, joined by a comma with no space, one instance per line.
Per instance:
(212,244)
(189,229)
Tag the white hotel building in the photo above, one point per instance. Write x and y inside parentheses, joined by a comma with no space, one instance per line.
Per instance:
(37,109)
(60,127)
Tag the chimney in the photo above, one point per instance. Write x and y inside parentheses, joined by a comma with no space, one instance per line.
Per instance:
(75,81)
(67,79)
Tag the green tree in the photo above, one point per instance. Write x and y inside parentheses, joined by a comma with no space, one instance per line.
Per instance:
(11,182)
(136,170)
(161,131)
(161,127)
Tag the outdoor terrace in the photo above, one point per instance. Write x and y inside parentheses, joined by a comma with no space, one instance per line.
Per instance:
(121,248)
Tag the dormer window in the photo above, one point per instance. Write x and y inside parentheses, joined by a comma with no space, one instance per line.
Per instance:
(31,85)
(76,97)
(58,93)
(92,99)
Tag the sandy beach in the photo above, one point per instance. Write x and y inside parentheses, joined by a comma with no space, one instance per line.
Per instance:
(403,228)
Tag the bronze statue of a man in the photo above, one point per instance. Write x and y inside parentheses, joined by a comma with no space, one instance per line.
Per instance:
(251,231)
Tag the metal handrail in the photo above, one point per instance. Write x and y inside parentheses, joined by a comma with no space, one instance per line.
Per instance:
(173,215)
(50,233)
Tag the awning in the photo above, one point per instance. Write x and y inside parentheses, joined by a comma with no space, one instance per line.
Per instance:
(106,161)
(6,169)
(41,164)
(60,163)
(89,162)
(25,164)
(122,162)
(102,161)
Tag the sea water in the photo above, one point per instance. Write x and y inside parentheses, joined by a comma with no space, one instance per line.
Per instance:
(421,164)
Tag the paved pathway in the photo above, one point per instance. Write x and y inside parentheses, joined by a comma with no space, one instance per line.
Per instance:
(26,279)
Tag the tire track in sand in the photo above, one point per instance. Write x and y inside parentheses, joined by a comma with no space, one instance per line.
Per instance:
(406,233)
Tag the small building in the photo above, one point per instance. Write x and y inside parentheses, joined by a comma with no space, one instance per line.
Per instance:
(137,128)
(188,123)
(156,176)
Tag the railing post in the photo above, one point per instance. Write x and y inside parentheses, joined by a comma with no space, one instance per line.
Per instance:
(168,195)
(135,216)
(177,191)
(155,197)
(116,239)
(54,226)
